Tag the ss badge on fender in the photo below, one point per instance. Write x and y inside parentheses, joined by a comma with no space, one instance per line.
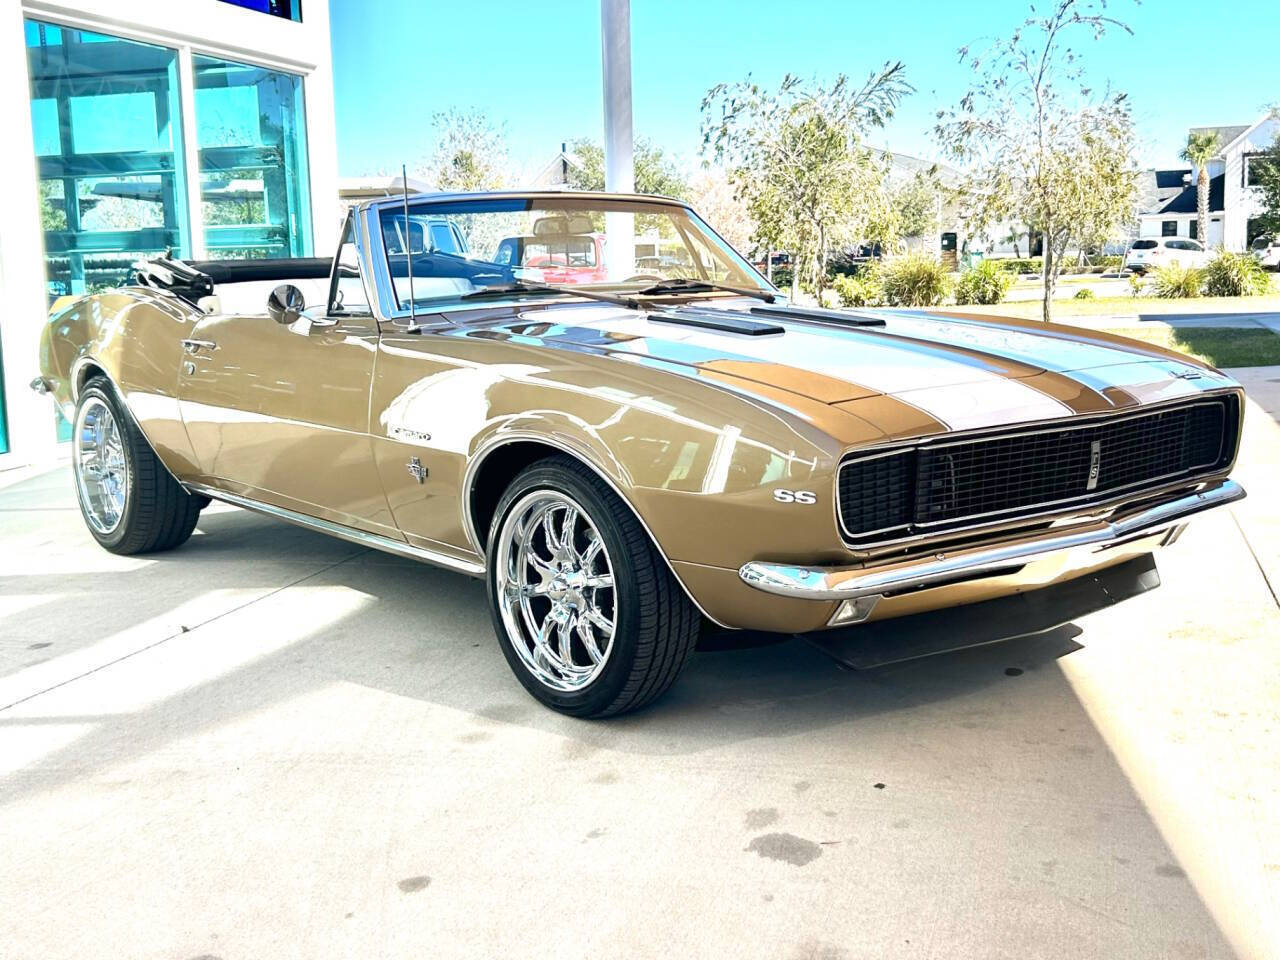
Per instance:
(795,496)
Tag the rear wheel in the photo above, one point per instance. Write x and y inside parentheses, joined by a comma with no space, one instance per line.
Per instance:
(129,501)
(589,617)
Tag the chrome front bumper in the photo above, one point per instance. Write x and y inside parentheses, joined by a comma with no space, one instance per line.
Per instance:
(856,583)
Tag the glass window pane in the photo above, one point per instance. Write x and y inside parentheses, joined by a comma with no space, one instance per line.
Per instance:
(44,120)
(251,131)
(108,133)
(348,295)
(133,126)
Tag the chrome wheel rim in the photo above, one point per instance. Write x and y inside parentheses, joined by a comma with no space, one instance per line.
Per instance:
(102,472)
(555,590)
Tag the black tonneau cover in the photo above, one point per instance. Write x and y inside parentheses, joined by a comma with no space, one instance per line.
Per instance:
(243,271)
(193,279)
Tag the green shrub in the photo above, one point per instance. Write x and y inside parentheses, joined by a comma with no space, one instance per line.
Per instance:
(1176,282)
(1136,283)
(863,289)
(1235,275)
(1021,264)
(985,282)
(1084,293)
(913,280)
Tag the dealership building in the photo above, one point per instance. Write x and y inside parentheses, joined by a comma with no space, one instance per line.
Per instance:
(204,127)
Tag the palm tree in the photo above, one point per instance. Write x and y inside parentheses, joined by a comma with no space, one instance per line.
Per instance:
(1014,237)
(1200,149)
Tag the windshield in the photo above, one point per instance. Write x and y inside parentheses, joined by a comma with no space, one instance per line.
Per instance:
(605,244)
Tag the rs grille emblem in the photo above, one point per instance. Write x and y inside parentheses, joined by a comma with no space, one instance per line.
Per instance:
(1095,464)
(417,470)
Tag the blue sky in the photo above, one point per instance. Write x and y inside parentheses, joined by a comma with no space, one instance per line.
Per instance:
(535,68)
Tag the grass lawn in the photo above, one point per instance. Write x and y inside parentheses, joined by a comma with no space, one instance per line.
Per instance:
(1218,346)
(1127,306)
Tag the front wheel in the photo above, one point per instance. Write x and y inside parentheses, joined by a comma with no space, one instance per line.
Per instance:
(129,501)
(588,615)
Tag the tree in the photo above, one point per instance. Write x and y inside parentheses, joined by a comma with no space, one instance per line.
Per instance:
(712,194)
(1037,145)
(1014,237)
(796,159)
(1200,149)
(654,171)
(917,203)
(1264,172)
(471,153)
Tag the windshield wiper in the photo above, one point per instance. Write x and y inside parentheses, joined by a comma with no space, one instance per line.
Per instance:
(689,285)
(529,286)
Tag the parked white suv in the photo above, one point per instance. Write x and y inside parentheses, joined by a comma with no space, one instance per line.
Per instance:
(1267,250)
(1151,252)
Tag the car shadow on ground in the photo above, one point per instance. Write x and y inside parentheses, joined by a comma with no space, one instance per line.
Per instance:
(425,634)
(763,690)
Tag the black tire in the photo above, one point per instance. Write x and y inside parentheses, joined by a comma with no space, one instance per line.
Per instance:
(158,513)
(656,624)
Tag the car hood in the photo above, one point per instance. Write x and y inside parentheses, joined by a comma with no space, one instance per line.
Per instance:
(960,371)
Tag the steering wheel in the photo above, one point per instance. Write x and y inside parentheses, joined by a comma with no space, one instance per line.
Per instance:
(643,276)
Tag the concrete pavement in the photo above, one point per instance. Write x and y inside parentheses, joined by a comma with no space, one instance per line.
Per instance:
(273,744)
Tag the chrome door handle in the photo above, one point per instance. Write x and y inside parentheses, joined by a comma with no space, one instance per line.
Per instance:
(194,346)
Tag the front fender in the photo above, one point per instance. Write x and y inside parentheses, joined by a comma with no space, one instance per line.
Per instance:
(712,473)
(133,337)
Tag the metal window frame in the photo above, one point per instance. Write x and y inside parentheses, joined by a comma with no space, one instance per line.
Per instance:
(186,47)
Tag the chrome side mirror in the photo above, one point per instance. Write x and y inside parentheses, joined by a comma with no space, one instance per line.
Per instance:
(286,303)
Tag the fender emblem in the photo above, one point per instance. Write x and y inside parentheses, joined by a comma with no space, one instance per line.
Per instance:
(417,470)
(1095,464)
(795,496)
(404,433)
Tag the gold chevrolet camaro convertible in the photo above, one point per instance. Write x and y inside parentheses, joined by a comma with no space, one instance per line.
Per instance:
(596,404)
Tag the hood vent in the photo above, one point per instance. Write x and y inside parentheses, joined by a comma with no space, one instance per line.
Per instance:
(725,320)
(817,313)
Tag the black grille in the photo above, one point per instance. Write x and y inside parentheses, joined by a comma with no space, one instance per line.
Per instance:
(946,484)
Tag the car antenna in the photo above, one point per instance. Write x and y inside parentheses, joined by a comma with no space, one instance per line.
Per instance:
(408,244)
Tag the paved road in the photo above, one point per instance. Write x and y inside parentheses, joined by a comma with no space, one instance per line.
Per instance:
(271,744)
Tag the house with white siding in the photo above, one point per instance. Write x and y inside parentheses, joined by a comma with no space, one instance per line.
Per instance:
(1234,205)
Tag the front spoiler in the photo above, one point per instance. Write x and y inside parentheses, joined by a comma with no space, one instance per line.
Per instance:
(883,642)
(852,583)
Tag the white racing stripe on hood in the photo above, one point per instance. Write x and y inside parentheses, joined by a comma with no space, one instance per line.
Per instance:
(991,403)
(866,359)
(958,392)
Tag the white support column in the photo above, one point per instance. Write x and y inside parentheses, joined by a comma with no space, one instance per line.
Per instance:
(32,437)
(615,39)
(191,152)
(619,162)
